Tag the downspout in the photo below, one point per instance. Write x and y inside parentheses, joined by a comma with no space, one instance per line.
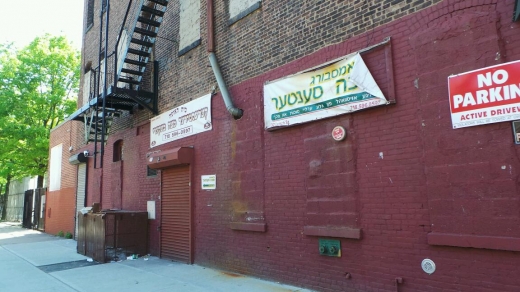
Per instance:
(105,81)
(234,111)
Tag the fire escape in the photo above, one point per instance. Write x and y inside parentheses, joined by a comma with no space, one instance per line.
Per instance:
(119,83)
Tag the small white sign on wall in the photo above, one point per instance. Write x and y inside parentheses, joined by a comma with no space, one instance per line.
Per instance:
(208,182)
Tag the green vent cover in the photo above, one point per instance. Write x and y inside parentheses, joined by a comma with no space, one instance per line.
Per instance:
(330,247)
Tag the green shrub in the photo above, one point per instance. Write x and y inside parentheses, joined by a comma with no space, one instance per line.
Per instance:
(61,234)
(68,235)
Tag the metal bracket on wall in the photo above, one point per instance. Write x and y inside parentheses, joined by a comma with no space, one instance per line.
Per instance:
(386,44)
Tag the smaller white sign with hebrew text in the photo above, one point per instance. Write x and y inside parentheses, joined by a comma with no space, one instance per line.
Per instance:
(188,119)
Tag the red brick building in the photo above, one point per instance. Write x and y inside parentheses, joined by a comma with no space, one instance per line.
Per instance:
(402,187)
(60,202)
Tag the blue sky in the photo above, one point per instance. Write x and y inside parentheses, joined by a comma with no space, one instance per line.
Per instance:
(22,21)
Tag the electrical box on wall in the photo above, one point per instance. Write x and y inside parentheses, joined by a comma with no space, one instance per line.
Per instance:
(516,132)
(150,207)
(330,247)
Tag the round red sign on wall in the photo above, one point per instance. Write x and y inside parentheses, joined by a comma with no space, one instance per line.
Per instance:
(339,133)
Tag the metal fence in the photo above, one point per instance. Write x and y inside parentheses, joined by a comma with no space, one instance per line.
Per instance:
(15,207)
(15,199)
(34,209)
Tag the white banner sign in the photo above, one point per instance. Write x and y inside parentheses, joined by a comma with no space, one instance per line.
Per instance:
(189,119)
(342,87)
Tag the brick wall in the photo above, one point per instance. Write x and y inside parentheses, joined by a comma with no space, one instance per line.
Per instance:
(125,184)
(478,188)
(61,204)
(402,175)
(403,157)
(266,39)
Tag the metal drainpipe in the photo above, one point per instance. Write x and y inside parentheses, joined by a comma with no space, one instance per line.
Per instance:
(234,111)
(105,80)
(237,113)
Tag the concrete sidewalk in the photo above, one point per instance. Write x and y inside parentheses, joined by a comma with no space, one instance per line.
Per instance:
(35,261)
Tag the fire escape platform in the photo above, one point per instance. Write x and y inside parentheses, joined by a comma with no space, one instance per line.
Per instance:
(120,99)
(117,84)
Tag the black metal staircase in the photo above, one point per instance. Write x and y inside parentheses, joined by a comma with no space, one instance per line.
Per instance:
(94,124)
(121,87)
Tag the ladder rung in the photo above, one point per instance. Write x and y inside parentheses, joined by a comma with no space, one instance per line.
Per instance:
(152,11)
(126,80)
(138,52)
(133,72)
(145,32)
(144,43)
(133,62)
(161,2)
(148,21)
(100,116)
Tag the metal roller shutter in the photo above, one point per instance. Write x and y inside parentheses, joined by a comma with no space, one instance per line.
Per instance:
(80,192)
(176,214)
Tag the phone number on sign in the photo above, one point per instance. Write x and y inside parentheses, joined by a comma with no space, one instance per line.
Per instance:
(364,105)
(177,133)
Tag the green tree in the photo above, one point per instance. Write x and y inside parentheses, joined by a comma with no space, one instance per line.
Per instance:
(38,90)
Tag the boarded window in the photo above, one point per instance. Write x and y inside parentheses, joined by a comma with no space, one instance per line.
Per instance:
(55,168)
(118,151)
(189,27)
(86,87)
(239,9)
(102,75)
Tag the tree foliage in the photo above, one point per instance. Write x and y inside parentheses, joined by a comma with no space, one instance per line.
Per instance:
(38,90)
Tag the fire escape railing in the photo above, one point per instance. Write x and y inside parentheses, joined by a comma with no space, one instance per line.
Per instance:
(116,59)
(116,83)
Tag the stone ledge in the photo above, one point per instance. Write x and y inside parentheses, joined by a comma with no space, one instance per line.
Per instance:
(329,231)
(245,13)
(256,227)
(189,48)
(474,241)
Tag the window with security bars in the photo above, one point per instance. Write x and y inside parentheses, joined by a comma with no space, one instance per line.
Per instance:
(118,151)
(151,171)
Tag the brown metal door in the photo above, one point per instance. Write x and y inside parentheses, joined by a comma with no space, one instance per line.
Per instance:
(176,214)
